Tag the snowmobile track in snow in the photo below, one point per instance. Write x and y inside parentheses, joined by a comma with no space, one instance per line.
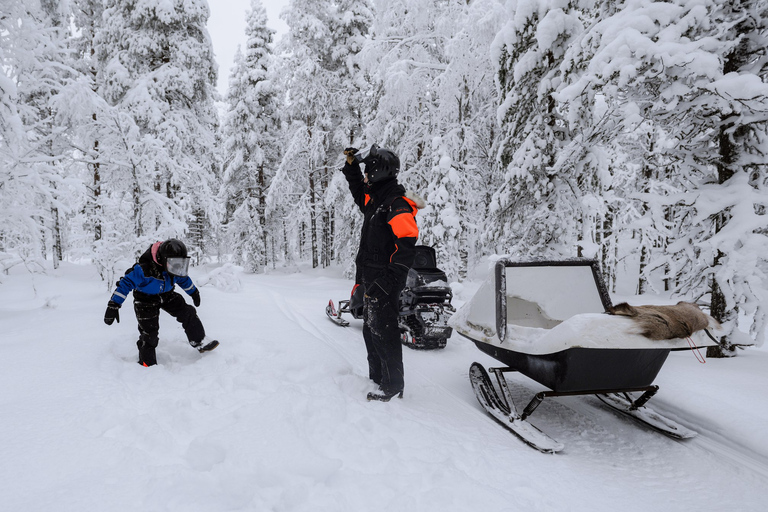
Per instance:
(709,441)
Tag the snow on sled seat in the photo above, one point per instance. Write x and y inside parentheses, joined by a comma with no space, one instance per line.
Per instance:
(548,320)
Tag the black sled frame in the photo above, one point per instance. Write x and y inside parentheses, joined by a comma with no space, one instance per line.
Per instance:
(424,304)
(610,374)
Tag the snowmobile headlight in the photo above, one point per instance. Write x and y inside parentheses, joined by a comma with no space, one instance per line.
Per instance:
(177,266)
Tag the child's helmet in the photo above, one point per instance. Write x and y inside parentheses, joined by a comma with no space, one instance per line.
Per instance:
(172,256)
(381,163)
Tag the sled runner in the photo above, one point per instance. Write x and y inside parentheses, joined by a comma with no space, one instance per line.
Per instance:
(425,304)
(547,320)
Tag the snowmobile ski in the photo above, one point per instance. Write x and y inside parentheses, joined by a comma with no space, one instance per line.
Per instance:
(330,311)
(645,415)
(502,409)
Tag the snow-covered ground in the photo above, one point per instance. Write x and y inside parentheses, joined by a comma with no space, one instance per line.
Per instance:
(276,419)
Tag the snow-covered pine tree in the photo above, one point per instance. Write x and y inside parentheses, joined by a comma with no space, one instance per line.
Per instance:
(316,76)
(349,29)
(156,65)
(40,87)
(87,18)
(295,194)
(631,228)
(464,122)
(33,186)
(404,58)
(545,204)
(251,148)
(729,227)
(696,72)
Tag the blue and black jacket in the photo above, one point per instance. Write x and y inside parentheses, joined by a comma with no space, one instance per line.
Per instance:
(147,276)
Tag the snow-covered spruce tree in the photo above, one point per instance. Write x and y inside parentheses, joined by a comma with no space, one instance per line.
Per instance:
(639,222)
(316,76)
(729,228)
(33,185)
(545,203)
(42,84)
(695,72)
(349,24)
(349,31)
(404,58)
(632,227)
(461,150)
(156,65)
(87,19)
(251,147)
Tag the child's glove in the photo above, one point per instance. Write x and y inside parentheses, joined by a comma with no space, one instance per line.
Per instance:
(350,153)
(112,313)
(196,298)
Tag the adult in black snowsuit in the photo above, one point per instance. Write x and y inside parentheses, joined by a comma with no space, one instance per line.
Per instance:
(385,255)
(152,281)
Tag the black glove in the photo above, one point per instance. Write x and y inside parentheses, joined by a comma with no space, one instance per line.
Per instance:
(112,313)
(376,292)
(196,298)
(351,152)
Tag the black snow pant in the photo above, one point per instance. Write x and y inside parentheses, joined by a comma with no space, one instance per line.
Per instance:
(147,308)
(382,338)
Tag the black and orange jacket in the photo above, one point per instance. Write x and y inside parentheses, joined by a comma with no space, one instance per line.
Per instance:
(389,232)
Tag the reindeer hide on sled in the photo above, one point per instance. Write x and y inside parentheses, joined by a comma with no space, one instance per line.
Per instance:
(665,322)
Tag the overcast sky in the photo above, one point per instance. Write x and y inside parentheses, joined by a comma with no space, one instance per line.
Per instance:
(227,28)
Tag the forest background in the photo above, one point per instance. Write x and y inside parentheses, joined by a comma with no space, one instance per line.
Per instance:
(632,132)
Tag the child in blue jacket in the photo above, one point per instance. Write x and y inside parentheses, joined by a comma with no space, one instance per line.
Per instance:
(152,282)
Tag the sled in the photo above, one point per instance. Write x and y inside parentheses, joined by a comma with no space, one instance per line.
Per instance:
(424,304)
(548,321)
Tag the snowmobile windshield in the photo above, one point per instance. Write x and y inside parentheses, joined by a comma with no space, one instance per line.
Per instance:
(177,266)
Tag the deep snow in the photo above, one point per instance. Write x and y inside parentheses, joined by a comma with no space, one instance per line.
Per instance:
(276,417)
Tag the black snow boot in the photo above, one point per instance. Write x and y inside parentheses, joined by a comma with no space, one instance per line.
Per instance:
(204,346)
(147,356)
(385,396)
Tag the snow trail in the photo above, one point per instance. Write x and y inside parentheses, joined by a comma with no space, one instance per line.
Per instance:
(276,417)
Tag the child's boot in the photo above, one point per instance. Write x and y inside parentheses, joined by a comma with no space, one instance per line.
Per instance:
(146,353)
(147,356)
(206,345)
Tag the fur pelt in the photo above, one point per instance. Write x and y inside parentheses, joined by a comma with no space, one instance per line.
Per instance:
(413,196)
(665,322)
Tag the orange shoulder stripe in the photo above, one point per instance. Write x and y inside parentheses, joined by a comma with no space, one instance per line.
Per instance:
(404,226)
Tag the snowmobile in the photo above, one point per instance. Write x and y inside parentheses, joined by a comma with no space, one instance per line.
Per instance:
(547,320)
(424,304)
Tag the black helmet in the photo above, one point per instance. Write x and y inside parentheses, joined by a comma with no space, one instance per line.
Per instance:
(172,256)
(381,163)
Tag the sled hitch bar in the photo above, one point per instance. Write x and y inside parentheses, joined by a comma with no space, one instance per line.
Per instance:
(648,392)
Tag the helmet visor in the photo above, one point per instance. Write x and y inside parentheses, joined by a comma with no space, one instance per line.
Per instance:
(177,266)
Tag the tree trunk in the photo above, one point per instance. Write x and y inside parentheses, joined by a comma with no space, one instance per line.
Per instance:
(728,155)
(262,212)
(313,218)
(95,169)
(641,281)
(463,254)
(326,220)
(137,209)
(56,248)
